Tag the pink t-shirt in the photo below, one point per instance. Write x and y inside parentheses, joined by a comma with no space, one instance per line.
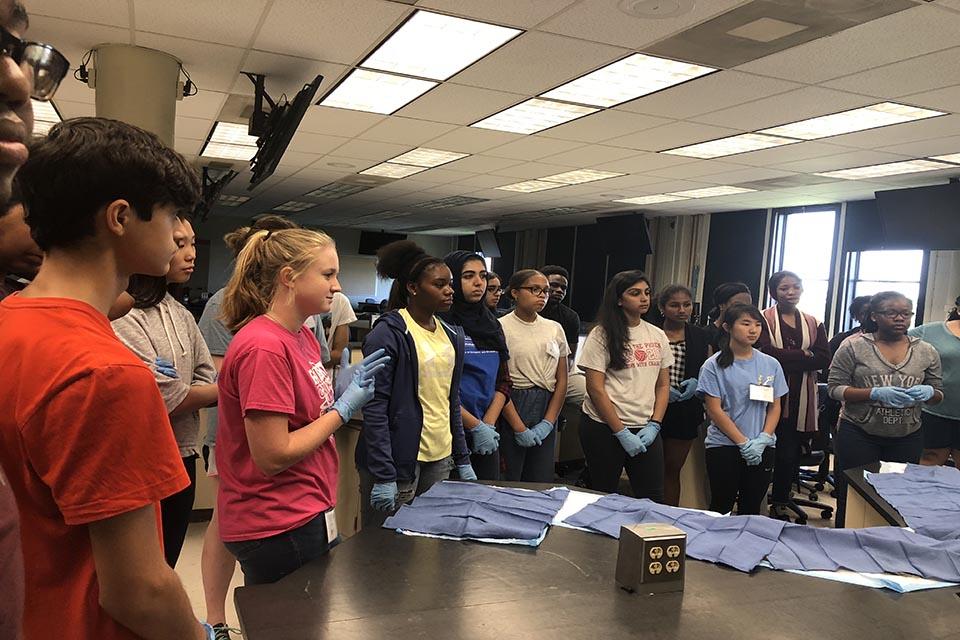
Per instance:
(268,368)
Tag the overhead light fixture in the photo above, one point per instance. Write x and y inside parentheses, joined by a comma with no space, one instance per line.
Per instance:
(436,46)
(45,115)
(533,115)
(376,92)
(729,146)
(950,157)
(390,170)
(581,176)
(451,201)
(336,190)
(385,215)
(530,186)
(834,124)
(634,76)
(710,192)
(232,201)
(230,141)
(887,169)
(657,199)
(423,157)
(294,205)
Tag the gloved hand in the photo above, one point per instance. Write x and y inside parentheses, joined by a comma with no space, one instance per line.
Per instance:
(630,442)
(648,433)
(360,390)
(892,397)
(369,366)
(543,429)
(674,394)
(485,439)
(689,388)
(166,368)
(749,454)
(528,438)
(920,392)
(383,496)
(753,449)
(466,472)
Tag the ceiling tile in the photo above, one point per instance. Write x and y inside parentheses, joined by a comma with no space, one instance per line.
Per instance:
(926,148)
(315,143)
(840,161)
(940,127)
(338,122)
(108,12)
(533,148)
(694,169)
(442,175)
(472,140)
(231,22)
(788,153)
(945,99)
(738,176)
(807,102)
(334,30)
(206,104)
(481,182)
(604,125)
(923,73)
(193,128)
(481,164)
(213,67)
(457,104)
(591,155)
(406,131)
(531,170)
(186,146)
(287,74)
(75,109)
(642,162)
(516,13)
(675,134)
(74,39)
(368,150)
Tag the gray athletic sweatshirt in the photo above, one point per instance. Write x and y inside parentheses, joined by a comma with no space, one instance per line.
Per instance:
(858,363)
(169,331)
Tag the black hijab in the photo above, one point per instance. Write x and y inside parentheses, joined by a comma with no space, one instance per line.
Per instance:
(476,319)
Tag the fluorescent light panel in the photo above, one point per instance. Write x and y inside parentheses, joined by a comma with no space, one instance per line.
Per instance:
(710,192)
(423,157)
(448,202)
(877,115)
(951,157)
(390,170)
(887,169)
(657,199)
(230,141)
(580,176)
(435,46)
(376,92)
(530,186)
(294,205)
(336,190)
(232,201)
(728,146)
(627,79)
(534,115)
(45,115)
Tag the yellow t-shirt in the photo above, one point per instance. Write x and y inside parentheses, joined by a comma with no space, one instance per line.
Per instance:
(435,363)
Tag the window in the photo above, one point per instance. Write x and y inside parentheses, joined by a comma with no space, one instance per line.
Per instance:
(870,272)
(804,244)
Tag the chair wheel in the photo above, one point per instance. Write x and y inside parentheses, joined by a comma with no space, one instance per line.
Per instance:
(814,497)
(826,514)
(820,486)
(833,493)
(801,520)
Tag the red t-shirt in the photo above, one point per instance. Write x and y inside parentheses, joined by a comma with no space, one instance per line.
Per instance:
(269,368)
(84,436)
(11,565)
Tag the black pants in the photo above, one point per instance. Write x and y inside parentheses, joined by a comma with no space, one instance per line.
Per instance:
(855,448)
(786,459)
(606,461)
(487,467)
(528,464)
(175,513)
(733,480)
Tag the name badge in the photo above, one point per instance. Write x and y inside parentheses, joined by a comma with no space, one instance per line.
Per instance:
(761,393)
(331,520)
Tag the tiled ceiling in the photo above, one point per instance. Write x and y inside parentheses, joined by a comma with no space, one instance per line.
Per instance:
(906,51)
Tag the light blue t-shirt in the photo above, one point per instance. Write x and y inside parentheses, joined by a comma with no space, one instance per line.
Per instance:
(948,346)
(732,386)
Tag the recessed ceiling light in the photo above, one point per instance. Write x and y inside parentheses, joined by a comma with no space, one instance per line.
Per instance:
(232,201)
(834,124)
(336,190)
(534,115)
(451,201)
(951,157)
(389,170)
(887,169)
(657,199)
(580,176)
(294,205)
(530,186)
(710,192)
(231,141)
(627,79)
(45,115)
(423,157)
(435,46)
(376,92)
(767,29)
(728,146)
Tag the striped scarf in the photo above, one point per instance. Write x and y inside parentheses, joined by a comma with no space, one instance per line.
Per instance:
(807,414)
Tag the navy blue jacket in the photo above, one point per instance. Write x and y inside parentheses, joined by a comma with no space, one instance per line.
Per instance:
(392,421)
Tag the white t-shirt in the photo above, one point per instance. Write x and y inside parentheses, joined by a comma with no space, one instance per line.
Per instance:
(632,390)
(341,313)
(535,350)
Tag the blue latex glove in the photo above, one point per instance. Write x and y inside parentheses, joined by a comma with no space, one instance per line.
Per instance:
(369,366)
(543,429)
(485,439)
(211,634)
(892,397)
(674,394)
(648,433)
(630,442)
(360,390)
(166,368)
(383,496)
(466,472)
(921,392)
(527,439)
(754,448)
(688,388)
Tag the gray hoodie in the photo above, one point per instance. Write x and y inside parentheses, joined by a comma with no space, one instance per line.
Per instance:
(169,331)
(858,363)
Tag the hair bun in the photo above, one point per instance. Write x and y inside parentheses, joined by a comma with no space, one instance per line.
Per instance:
(395,260)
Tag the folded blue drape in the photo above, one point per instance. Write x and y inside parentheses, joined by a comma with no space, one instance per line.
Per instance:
(928,498)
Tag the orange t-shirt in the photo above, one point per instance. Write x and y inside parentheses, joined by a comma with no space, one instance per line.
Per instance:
(84,436)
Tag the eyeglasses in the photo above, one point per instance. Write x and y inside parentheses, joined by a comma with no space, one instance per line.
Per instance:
(46,65)
(893,315)
(537,291)
(495,290)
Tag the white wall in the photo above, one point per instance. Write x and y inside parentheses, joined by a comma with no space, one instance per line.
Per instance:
(943,284)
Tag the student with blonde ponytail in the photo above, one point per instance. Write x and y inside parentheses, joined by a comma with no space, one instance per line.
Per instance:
(278,412)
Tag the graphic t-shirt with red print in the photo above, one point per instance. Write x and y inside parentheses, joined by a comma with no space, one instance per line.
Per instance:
(631,389)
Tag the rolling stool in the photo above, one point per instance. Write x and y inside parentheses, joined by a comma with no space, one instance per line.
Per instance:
(782,510)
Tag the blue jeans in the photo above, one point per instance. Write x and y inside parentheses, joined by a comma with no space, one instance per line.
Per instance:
(266,560)
(426,475)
